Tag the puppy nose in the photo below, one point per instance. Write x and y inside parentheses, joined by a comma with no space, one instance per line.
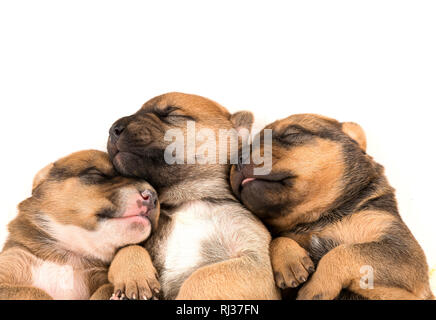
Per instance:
(115,132)
(149,198)
(240,165)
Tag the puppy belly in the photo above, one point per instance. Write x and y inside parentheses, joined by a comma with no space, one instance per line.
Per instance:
(204,233)
(61,282)
(183,249)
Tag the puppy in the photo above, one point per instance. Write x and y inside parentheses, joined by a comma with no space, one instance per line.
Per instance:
(207,245)
(327,203)
(66,234)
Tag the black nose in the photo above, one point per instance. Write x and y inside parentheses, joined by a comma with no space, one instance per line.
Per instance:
(115,132)
(240,165)
(150,198)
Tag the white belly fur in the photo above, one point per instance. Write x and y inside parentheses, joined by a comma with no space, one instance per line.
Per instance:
(191,225)
(229,226)
(61,282)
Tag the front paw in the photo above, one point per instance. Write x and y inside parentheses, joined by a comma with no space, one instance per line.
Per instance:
(291,263)
(137,287)
(133,275)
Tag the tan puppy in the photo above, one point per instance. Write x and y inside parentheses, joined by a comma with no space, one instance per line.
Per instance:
(66,234)
(328,203)
(207,246)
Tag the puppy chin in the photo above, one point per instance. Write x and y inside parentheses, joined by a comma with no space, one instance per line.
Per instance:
(235,181)
(101,243)
(126,163)
(256,196)
(131,230)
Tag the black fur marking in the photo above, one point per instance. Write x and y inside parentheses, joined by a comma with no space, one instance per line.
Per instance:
(319,247)
(59,173)
(106,213)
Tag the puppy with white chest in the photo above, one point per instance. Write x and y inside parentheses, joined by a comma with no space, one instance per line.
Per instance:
(207,246)
(67,233)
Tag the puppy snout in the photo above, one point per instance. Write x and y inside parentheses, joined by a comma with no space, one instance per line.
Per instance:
(115,131)
(118,128)
(242,162)
(149,199)
(239,165)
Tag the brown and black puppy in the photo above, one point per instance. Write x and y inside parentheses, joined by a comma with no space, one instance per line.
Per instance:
(327,201)
(67,233)
(207,246)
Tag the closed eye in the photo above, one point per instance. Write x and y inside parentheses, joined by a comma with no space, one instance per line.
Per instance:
(295,134)
(170,113)
(92,171)
(93,176)
(166,111)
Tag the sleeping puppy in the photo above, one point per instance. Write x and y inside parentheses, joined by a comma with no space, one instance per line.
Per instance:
(66,234)
(327,203)
(207,246)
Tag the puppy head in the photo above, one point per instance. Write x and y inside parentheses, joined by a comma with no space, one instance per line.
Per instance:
(80,200)
(137,143)
(316,162)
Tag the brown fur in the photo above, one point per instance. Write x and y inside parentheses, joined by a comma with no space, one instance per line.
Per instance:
(235,275)
(233,260)
(60,226)
(319,183)
(332,203)
(291,263)
(137,278)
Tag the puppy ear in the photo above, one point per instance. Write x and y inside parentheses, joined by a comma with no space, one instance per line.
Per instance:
(355,132)
(41,176)
(242,119)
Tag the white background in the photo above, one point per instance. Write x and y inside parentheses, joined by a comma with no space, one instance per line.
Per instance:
(68,69)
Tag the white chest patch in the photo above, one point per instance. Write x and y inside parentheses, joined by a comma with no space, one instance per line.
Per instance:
(191,225)
(204,233)
(61,282)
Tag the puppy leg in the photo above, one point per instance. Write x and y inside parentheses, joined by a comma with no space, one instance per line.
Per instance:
(234,279)
(15,277)
(342,268)
(133,275)
(103,293)
(13,292)
(290,262)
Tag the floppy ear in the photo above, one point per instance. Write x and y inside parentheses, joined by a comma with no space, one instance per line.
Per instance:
(355,132)
(41,175)
(242,119)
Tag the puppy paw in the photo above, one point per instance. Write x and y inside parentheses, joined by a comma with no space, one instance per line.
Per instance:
(290,262)
(140,287)
(133,275)
(118,295)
